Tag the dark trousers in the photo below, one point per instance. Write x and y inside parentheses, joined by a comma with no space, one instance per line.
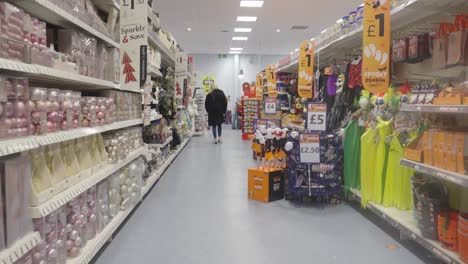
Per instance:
(220,129)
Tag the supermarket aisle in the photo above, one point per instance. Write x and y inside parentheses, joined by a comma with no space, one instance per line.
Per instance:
(199,213)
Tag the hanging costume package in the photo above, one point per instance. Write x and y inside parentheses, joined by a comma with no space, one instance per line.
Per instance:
(384,130)
(352,154)
(367,165)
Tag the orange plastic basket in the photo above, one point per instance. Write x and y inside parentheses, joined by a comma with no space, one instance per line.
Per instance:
(448,230)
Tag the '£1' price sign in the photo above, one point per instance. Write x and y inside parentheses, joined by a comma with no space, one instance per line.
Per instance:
(309,148)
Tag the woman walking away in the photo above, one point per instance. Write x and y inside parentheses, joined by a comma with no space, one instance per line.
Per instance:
(216,106)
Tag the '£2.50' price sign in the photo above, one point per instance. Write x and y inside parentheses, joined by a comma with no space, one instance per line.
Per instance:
(309,145)
(316,117)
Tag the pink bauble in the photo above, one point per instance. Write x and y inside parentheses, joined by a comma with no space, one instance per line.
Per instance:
(42,106)
(8,122)
(53,95)
(69,244)
(92,108)
(52,254)
(20,109)
(92,219)
(102,108)
(64,125)
(48,106)
(61,116)
(37,256)
(55,106)
(64,105)
(10,110)
(11,132)
(73,235)
(41,246)
(53,116)
(68,227)
(22,122)
(60,244)
(76,106)
(51,236)
(102,122)
(78,241)
(32,105)
(100,115)
(85,109)
(74,252)
(20,90)
(36,94)
(84,122)
(76,123)
(50,126)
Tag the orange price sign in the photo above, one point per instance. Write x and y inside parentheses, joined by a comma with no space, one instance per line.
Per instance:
(271,80)
(376,46)
(306,69)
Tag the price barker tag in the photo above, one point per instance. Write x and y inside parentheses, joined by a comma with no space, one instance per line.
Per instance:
(270,105)
(317,117)
(309,148)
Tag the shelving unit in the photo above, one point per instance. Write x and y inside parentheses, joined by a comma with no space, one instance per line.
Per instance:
(405,223)
(454,177)
(20,248)
(53,14)
(94,246)
(8,147)
(162,145)
(155,73)
(405,20)
(89,180)
(166,54)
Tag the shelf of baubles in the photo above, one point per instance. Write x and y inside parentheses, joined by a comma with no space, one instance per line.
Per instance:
(440,109)
(51,13)
(450,176)
(406,18)
(93,246)
(17,145)
(166,54)
(90,178)
(20,248)
(404,221)
(53,76)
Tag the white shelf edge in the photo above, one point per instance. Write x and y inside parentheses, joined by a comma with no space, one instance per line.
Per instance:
(67,195)
(155,73)
(158,173)
(53,14)
(42,73)
(8,147)
(403,221)
(156,117)
(162,145)
(445,109)
(94,245)
(450,176)
(20,248)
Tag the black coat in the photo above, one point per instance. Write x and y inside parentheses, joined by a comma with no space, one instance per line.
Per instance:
(216,106)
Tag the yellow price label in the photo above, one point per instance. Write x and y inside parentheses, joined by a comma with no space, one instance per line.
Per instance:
(271,80)
(306,69)
(376,45)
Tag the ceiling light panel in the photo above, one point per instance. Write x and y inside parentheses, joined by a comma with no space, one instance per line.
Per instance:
(240,38)
(234,52)
(237,48)
(246,18)
(246,3)
(243,30)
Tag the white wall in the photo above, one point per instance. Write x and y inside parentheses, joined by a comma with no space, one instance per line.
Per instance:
(226,70)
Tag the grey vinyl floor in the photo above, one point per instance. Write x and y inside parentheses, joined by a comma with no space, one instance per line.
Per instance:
(199,213)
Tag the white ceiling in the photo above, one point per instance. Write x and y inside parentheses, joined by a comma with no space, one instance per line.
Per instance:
(208,18)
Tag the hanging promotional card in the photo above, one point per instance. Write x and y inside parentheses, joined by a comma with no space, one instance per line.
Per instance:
(306,69)
(316,117)
(376,45)
(259,80)
(133,43)
(179,85)
(271,80)
(259,93)
(270,105)
(309,145)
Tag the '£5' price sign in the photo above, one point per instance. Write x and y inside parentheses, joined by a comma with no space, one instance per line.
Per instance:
(316,117)
(309,148)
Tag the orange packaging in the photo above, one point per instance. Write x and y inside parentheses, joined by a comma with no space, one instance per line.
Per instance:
(437,149)
(414,150)
(451,160)
(465,100)
(427,148)
(461,152)
(265,186)
(442,150)
(454,100)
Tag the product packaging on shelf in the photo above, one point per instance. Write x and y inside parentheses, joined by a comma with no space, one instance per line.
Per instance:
(65,110)
(41,182)
(53,106)
(70,161)
(11,33)
(61,235)
(114,194)
(91,213)
(59,175)
(88,111)
(76,107)
(103,203)
(83,154)
(76,221)
(38,107)
(16,177)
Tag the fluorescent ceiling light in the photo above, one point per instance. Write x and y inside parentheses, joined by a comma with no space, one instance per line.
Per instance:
(296,50)
(236,48)
(339,21)
(234,52)
(291,53)
(246,18)
(312,39)
(189,29)
(323,31)
(278,30)
(240,38)
(242,30)
(244,3)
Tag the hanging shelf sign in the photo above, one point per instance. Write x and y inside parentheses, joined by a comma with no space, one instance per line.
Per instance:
(259,80)
(376,45)
(133,43)
(306,69)
(309,145)
(271,80)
